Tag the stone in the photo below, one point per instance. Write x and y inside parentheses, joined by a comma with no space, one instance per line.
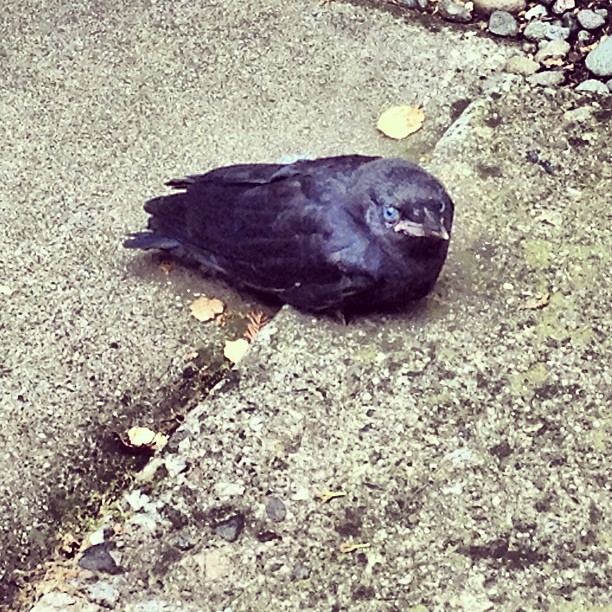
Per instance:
(593,85)
(561,6)
(599,60)
(585,37)
(453,11)
(536,30)
(103,593)
(503,23)
(275,509)
(552,49)
(547,78)
(535,12)
(590,20)
(609,84)
(556,30)
(489,6)
(411,4)
(98,559)
(230,529)
(519,64)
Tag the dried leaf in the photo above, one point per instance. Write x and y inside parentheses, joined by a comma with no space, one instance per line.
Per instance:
(205,309)
(349,547)
(257,320)
(235,350)
(190,356)
(401,121)
(145,438)
(326,496)
(535,303)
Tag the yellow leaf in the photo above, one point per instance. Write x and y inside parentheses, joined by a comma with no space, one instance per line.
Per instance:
(401,121)
(205,309)
(139,437)
(235,349)
(349,547)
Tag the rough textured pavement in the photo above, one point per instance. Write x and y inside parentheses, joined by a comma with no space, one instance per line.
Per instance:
(102,102)
(468,437)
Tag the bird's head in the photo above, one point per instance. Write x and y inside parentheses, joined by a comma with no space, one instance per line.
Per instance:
(404,201)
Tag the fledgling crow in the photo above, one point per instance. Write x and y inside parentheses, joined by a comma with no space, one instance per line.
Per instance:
(333,234)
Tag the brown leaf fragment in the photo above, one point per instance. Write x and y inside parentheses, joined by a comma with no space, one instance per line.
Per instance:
(349,547)
(535,303)
(326,496)
(257,320)
(205,309)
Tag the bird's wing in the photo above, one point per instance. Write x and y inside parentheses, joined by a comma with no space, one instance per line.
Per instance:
(277,228)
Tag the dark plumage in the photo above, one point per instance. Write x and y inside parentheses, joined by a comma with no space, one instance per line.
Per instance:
(338,233)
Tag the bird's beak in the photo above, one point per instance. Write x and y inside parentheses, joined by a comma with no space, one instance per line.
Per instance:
(430,228)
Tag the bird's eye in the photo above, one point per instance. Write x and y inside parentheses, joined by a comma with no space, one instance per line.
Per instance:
(442,207)
(391,214)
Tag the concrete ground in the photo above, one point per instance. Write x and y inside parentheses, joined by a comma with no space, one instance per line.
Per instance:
(469,434)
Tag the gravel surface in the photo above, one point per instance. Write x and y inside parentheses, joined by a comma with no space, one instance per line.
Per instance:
(585,25)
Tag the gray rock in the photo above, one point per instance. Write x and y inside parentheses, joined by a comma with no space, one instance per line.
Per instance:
(535,12)
(547,78)
(301,572)
(590,20)
(519,64)
(593,85)
(230,529)
(489,6)
(275,509)
(568,20)
(423,4)
(561,6)
(503,23)
(104,593)
(609,84)
(99,559)
(452,11)
(599,60)
(556,31)
(60,602)
(552,49)
(411,4)
(536,30)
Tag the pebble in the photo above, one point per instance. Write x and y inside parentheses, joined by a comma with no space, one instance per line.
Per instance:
(275,509)
(552,49)
(536,11)
(593,85)
(561,6)
(489,6)
(536,30)
(230,529)
(453,11)
(97,558)
(301,572)
(519,64)
(590,20)
(609,84)
(104,593)
(503,23)
(599,60)
(584,37)
(548,78)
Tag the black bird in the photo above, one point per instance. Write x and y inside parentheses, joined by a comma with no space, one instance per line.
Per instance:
(333,234)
